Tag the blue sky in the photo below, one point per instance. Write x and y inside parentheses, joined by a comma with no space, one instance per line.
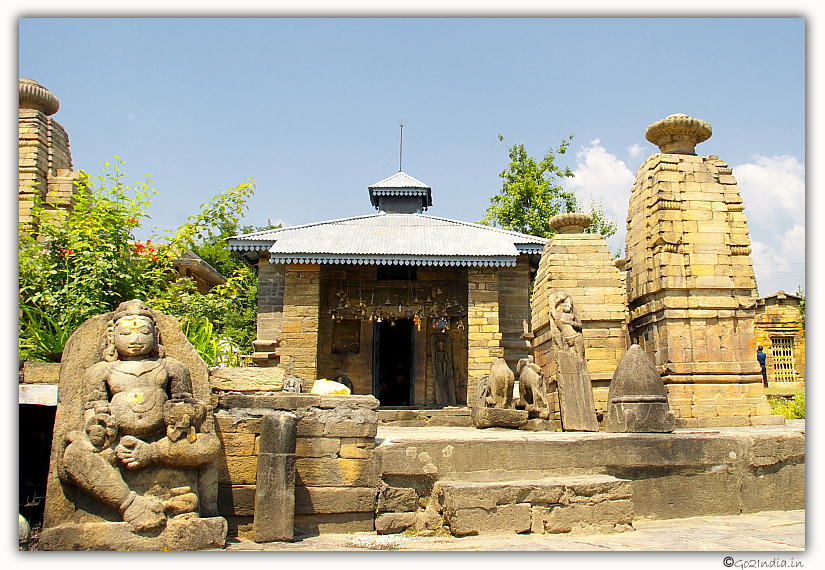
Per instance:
(310,108)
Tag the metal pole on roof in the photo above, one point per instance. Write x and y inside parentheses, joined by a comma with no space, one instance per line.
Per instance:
(401,151)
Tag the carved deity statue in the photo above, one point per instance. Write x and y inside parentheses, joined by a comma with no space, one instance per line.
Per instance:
(567,325)
(443,370)
(578,410)
(139,412)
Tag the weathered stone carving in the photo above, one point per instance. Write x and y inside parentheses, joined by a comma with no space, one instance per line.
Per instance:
(443,370)
(136,440)
(578,409)
(637,402)
(495,406)
(532,386)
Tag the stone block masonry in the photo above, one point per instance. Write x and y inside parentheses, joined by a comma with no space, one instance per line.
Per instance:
(581,265)
(299,336)
(483,333)
(691,285)
(336,474)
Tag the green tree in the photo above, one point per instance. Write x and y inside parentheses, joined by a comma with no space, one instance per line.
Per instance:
(800,292)
(532,193)
(87,261)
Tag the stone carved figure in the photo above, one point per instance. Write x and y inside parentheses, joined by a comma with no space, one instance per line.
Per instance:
(443,370)
(144,447)
(567,325)
(532,385)
(498,388)
(578,408)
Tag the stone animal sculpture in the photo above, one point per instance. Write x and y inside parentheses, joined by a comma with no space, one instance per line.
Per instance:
(532,386)
(498,389)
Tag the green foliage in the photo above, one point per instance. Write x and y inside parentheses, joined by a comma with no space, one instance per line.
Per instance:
(87,261)
(213,349)
(532,193)
(800,292)
(791,409)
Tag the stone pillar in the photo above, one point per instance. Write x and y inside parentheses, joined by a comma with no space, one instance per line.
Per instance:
(691,285)
(299,336)
(514,310)
(45,161)
(483,334)
(275,485)
(581,265)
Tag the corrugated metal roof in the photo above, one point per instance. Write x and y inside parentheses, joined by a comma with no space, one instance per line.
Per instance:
(391,238)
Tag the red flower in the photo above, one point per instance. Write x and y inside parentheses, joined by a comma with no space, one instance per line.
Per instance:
(131,220)
(66,252)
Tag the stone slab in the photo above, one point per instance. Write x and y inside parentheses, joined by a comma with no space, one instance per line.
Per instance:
(327,500)
(38,394)
(391,523)
(498,417)
(309,525)
(41,372)
(180,533)
(269,379)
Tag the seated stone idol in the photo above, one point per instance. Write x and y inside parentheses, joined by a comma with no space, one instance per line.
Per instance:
(143,439)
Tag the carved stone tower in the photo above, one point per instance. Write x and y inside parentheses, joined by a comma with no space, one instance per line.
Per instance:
(45,166)
(691,285)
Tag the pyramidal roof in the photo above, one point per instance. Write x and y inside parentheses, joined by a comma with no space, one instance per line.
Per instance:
(400,180)
(397,239)
(402,184)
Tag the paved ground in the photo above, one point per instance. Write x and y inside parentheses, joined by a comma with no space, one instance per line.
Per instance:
(761,532)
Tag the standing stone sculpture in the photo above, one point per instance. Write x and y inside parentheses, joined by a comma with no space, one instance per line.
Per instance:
(578,409)
(637,402)
(443,370)
(134,449)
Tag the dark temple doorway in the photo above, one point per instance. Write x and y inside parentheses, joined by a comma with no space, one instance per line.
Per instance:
(393,362)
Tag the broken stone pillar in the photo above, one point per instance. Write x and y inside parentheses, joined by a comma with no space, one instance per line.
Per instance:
(691,285)
(637,402)
(581,264)
(275,493)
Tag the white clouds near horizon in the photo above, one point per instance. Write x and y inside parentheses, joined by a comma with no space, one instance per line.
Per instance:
(604,177)
(773,189)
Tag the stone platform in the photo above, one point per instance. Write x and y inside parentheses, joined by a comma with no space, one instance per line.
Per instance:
(501,480)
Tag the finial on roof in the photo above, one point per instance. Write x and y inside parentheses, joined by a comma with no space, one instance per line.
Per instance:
(401,150)
(35,96)
(571,223)
(678,134)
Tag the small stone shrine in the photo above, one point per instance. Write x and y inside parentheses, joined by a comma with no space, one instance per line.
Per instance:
(581,264)
(637,402)
(691,285)
(134,448)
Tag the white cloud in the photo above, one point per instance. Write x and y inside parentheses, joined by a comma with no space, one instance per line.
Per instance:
(606,178)
(636,150)
(773,189)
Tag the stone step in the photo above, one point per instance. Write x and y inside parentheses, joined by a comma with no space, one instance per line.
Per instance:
(415,417)
(551,505)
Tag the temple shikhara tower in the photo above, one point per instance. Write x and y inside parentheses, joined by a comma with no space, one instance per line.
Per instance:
(691,286)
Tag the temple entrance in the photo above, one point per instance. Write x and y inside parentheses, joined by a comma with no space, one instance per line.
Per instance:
(393,362)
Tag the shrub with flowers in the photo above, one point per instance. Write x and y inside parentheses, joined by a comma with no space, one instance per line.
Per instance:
(85,262)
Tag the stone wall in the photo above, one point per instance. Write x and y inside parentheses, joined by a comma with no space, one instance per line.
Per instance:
(514,311)
(778,316)
(271,277)
(337,476)
(483,333)
(299,336)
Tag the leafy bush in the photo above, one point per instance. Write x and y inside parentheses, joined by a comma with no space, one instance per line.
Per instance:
(87,261)
(791,409)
